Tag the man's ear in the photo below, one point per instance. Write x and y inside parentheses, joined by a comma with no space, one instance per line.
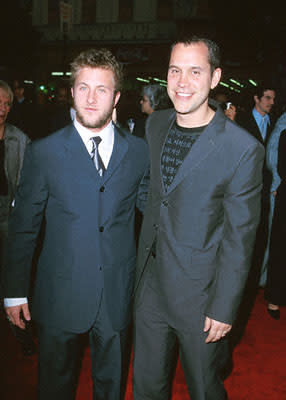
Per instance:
(72,92)
(116,98)
(216,77)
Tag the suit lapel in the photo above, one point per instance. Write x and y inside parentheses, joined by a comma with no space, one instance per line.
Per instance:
(255,130)
(81,162)
(257,133)
(119,151)
(80,157)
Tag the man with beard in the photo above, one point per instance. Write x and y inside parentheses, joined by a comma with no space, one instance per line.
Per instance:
(85,180)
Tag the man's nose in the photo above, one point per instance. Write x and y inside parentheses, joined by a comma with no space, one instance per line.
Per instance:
(91,98)
(184,79)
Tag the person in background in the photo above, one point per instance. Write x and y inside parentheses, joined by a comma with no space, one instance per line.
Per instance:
(230,110)
(21,114)
(275,291)
(85,181)
(13,144)
(60,109)
(220,96)
(40,118)
(259,123)
(154,97)
(272,152)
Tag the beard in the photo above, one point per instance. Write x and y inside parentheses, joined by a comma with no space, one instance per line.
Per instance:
(97,123)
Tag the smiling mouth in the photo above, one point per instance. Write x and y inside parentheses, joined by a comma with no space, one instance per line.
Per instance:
(180,94)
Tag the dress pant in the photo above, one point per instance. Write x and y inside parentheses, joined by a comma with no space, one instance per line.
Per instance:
(60,355)
(156,341)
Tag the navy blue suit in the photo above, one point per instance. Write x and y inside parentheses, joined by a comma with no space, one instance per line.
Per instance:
(88,255)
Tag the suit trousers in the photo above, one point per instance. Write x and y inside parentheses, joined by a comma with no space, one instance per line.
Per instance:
(60,355)
(156,345)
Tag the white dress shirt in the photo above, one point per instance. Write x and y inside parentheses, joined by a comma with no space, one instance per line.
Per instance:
(105,149)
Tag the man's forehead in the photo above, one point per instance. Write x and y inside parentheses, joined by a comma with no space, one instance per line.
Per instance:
(90,72)
(4,94)
(183,52)
(269,93)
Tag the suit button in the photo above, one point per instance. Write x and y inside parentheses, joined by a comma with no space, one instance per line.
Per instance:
(147,248)
(100,268)
(165,203)
(156,226)
(101,228)
(102,189)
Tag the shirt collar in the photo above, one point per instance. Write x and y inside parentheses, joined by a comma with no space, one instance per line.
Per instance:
(258,117)
(106,134)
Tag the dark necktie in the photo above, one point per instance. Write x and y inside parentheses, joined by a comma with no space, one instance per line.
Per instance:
(96,156)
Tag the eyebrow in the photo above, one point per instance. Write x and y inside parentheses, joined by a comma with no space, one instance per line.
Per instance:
(190,67)
(86,84)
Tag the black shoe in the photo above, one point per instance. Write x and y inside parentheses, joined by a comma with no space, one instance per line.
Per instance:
(274,313)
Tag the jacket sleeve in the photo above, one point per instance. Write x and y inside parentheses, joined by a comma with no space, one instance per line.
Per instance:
(281,156)
(24,225)
(242,202)
(272,158)
(143,191)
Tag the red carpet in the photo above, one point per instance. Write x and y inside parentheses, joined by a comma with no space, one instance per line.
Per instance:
(259,370)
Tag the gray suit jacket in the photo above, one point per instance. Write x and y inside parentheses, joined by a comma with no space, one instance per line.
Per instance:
(15,142)
(89,244)
(204,225)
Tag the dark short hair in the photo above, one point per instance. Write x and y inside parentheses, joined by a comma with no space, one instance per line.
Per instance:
(97,58)
(158,96)
(214,56)
(20,82)
(261,88)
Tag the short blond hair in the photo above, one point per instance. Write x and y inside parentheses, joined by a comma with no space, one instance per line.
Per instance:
(97,58)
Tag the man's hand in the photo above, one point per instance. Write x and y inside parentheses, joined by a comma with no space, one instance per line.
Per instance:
(231,112)
(217,330)
(14,315)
